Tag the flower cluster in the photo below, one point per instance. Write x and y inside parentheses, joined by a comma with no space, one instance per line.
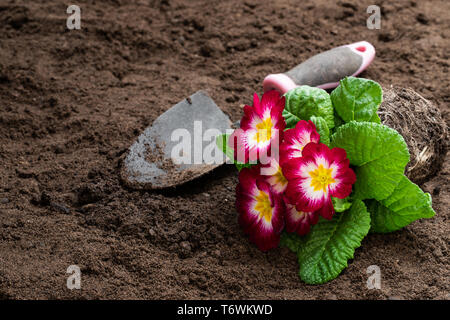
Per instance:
(294,178)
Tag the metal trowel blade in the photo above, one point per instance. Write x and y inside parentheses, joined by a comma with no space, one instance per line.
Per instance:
(150,162)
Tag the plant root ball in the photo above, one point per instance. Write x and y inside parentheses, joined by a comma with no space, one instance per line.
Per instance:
(420,123)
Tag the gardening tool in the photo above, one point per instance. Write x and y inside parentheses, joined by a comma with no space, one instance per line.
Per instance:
(153,161)
(325,69)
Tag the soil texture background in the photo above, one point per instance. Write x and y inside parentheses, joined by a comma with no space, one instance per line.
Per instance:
(73,101)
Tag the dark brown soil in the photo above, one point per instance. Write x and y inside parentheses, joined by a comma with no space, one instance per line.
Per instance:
(73,101)
(421,124)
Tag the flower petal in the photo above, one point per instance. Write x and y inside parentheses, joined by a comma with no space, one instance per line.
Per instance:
(266,235)
(298,221)
(273,174)
(327,211)
(343,185)
(269,101)
(261,210)
(296,139)
(250,119)
(306,198)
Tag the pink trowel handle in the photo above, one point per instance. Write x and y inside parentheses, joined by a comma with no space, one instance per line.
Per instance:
(325,69)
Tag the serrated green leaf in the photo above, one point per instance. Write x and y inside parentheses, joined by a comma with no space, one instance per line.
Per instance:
(357,99)
(380,154)
(406,204)
(322,129)
(337,120)
(325,250)
(305,101)
(340,205)
(222,144)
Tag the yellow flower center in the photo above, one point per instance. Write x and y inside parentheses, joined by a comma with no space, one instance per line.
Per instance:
(279,177)
(263,206)
(321,178)
(264,132)
(299,214)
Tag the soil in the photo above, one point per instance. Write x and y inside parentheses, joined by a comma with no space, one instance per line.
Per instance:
(73,101)
(427,139)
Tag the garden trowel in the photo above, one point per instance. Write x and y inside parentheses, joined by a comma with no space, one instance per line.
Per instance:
(172,150)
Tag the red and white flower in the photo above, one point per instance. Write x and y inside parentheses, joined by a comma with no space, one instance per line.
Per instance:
(295,139)
(317,176)
(273,174)
(299,222)
(261,127)
(260,209)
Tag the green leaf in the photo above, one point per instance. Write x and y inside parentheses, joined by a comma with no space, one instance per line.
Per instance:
(291,241)
(324,252)
(322,129)
(340,205)
(303,102)
(337,120)
(375,118)
(406,204)
(380,154)
(222,144)
(240,165)
(357,99)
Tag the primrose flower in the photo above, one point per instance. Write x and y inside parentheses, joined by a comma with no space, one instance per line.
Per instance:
(317,176)
(260,209)
(299,222)
(296,139)
(261,127)
(273,174)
